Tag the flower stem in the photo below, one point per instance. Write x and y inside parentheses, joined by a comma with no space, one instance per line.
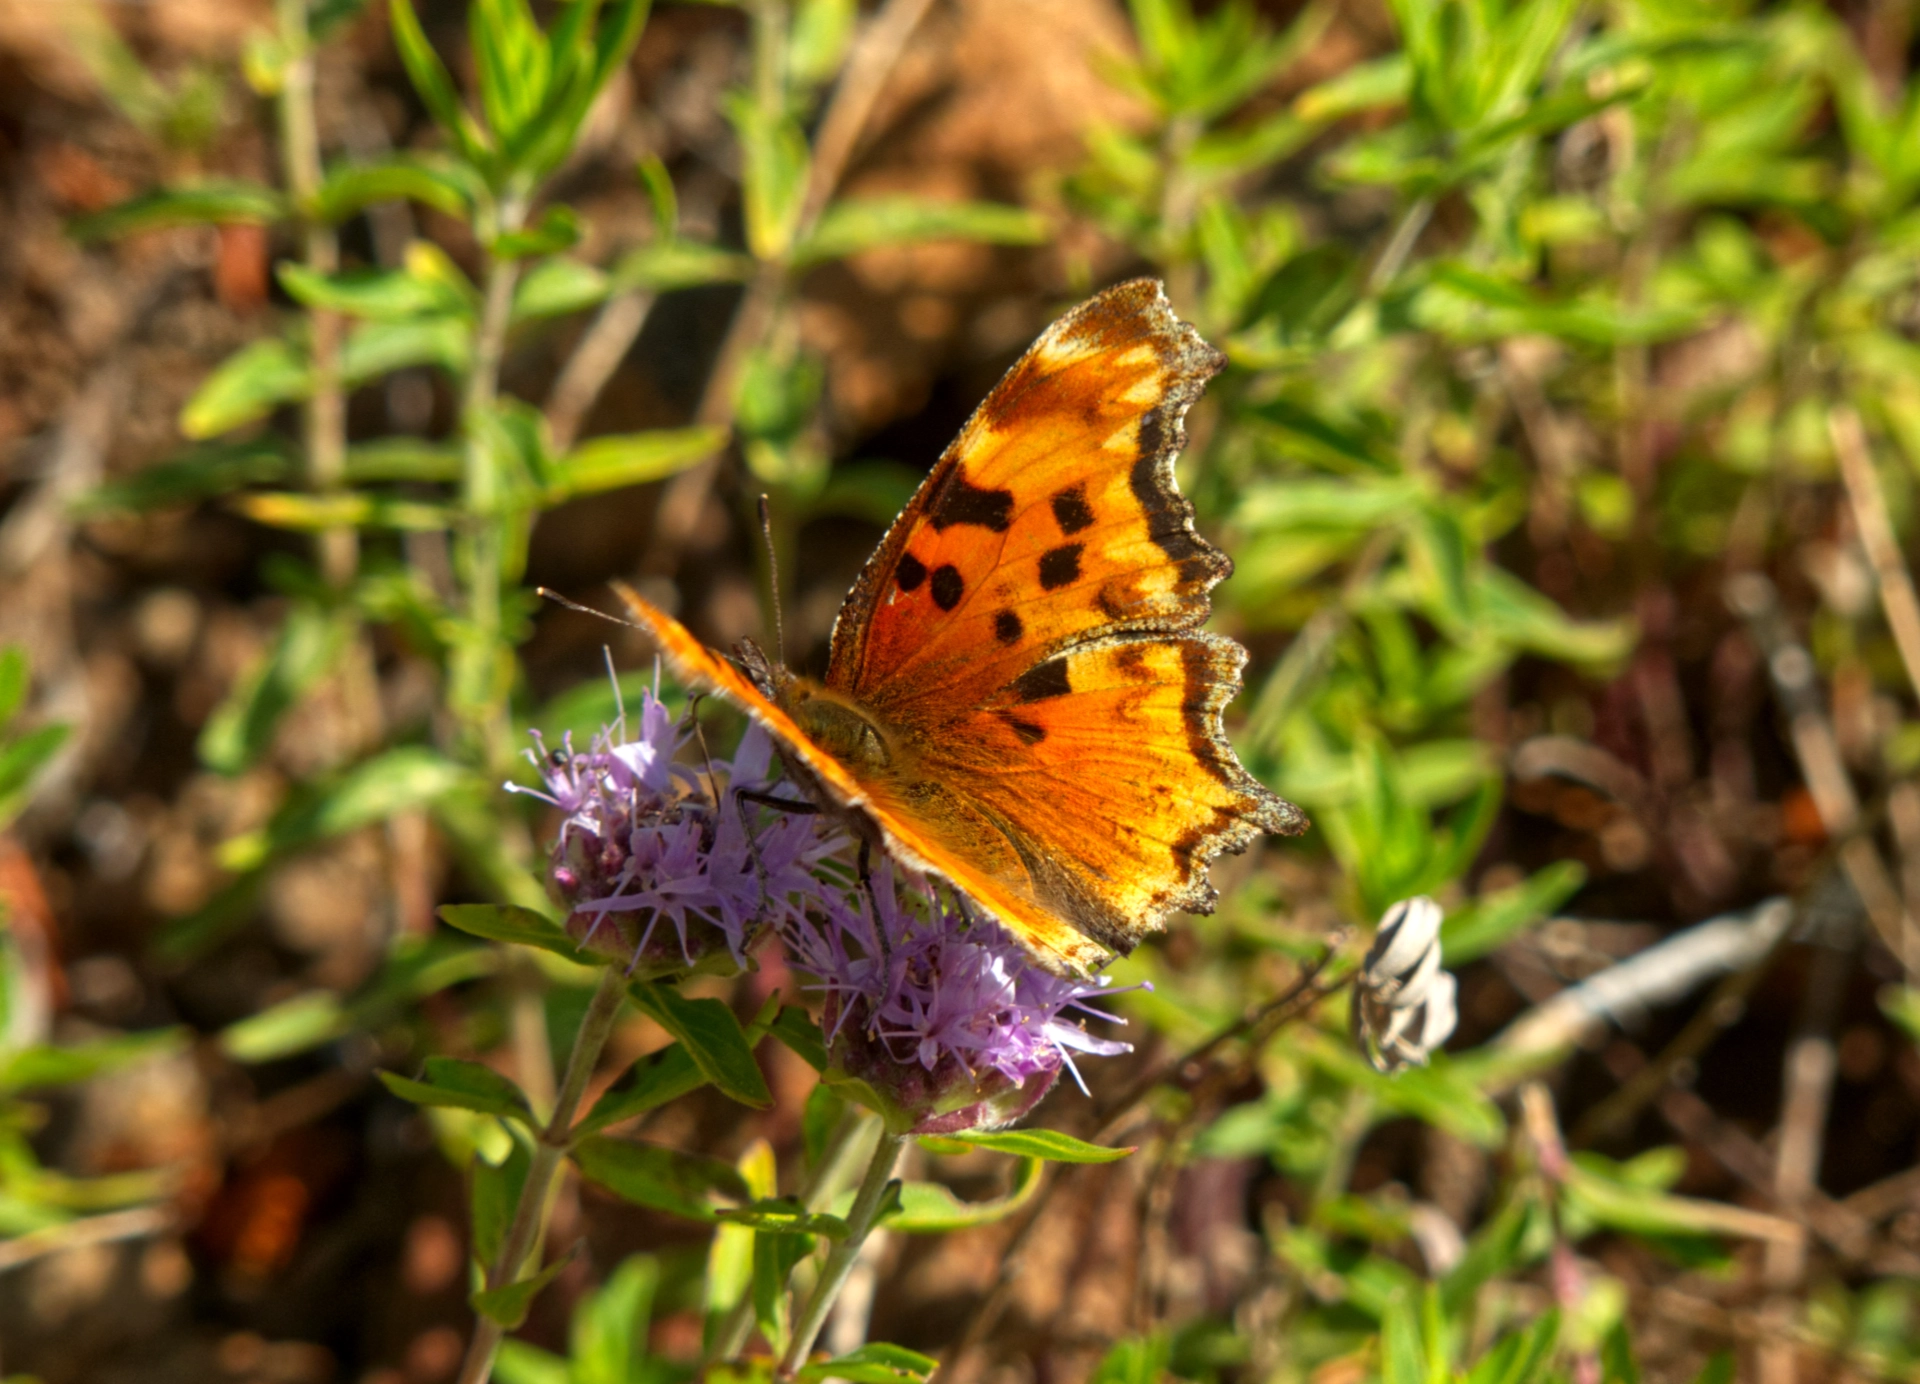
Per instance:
(833,1277)
(325,413)
(480,675)
(527,1230)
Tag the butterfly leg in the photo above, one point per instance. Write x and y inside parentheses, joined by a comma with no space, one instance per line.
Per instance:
(741,798)
(873,901)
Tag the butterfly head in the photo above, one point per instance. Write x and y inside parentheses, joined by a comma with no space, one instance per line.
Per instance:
(836,725)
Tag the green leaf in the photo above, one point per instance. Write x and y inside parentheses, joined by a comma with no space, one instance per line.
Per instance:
(434,182)
(1048,1145)
(304,512)
(712,1037)
(248,384)
(653,1081)
(200,474)
(852,224)
(462,1085)
(21,761)
(291,1026)
(558,286)
(15,680)
(402,459)
(496,1192)
(666,264)
(44,1064)
(373,349)
(785,1216)
(681,1184)
(500,922)
(381,294)
(1401,1358)
(1135,1360)
(242,727)
(928,1208)
(1490,920)
(508,1303)
(1520,1357)
(622,459)
(514,62)
(558,229)
(519,1363)
(796,1029)
(874,1363)
(429,77)
(372,791)
(773,178)
(222,203)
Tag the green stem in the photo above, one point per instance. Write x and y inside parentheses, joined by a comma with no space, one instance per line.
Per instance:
(821,1187)
(833,1276)
(480,679)
(324,417)
(528,1228)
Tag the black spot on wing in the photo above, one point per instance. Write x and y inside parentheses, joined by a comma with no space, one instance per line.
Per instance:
(961,503)
(910,573)
(1060,566)
(1070,510)
(1042,681)
(948,587)
(1029,733)
(1007,627)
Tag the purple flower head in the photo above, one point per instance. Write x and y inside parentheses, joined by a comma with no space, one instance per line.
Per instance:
(652,857)
(952,1026)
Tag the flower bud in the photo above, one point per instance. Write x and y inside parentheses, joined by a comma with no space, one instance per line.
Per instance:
(1403,1003)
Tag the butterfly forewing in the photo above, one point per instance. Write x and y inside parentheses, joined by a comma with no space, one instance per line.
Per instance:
(1027,630)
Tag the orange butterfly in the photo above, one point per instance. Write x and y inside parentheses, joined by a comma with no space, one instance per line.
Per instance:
(1019,698)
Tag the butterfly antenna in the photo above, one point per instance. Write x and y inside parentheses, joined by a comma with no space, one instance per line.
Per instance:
(550,594)
(773,578)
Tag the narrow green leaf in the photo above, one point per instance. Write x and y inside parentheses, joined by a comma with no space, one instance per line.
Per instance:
(1048,1145)
(69,1064)
(874,1363)
(429,77)
(785,1216)
(211,203)
(499,922)
(372,791)
(14,682)
(558,229)
(508,1303)
(622,459)
(712,1037)
(459,1084)
(928,1208)
(855,224)
(248,384)
(380,294)
(666,264)
(682,1184)
(21,761)
(200,474)
(304,512)
(351,188)
(379,348)
(496,1192)
(558,286)
(243,726)
(653,1081)
(292,1026)
(796,1029)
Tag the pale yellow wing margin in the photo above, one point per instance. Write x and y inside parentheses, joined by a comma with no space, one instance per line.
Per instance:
(1053,943)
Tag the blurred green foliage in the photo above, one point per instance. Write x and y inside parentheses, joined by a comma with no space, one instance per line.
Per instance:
(1440,276)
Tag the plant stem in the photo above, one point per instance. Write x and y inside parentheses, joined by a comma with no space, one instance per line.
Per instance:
(479,677)
(833,1277)
(528,1228)
(325,414)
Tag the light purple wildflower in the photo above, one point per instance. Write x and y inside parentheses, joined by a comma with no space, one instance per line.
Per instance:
(646,839)
(952,1026)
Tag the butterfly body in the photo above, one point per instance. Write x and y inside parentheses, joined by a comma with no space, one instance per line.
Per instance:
(1019,698)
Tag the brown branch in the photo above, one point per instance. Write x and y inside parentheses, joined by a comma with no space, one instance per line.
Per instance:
(1869,504)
